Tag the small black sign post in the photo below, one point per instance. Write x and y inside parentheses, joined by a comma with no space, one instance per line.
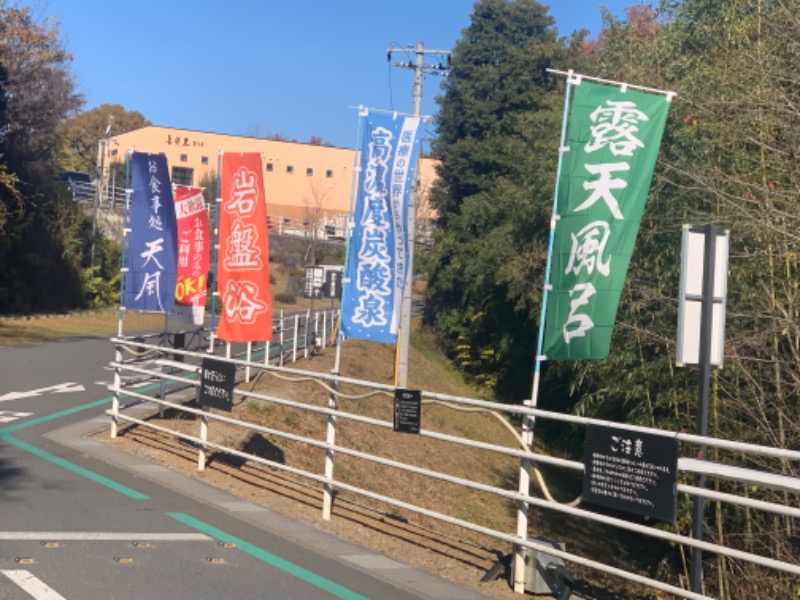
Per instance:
(217,380)
(179,342)
(315,278)
(333,284)
(407,410)
(631,471)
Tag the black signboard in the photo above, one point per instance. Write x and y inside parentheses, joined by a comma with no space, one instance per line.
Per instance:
(631,471)
(217,379)
(407,410)
(178,341)
(333,284)
(315,278)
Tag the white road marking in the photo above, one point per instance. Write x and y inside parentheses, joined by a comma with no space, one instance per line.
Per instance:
(8,416)
(61,388)
(35,587)
(99,536)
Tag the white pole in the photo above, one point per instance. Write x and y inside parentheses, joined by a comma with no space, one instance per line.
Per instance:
(249,357)
(295,336)
(280,360)
(201,453)
(117,392)
(330,439)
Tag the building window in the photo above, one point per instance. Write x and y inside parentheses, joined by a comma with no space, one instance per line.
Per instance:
(184,158)
(329,173)
(287,221)
(182,176)
(203,160)
(269,167)
(289,169)
(113,152)
(309,171)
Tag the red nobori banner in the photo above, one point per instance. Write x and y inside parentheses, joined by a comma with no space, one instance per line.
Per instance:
(193,246)
(243,260)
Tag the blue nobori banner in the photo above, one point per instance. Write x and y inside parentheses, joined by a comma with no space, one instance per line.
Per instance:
(378,252)
(152,257)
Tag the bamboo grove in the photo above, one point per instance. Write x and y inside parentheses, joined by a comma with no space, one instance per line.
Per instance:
(729,157)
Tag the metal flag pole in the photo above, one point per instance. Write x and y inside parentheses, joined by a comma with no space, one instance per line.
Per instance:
(620,84)
(122,274)
(362,114)
(214,248)
(528,422)
(125,232)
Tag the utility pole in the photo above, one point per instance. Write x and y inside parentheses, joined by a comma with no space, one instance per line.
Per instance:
(419,67)
(102,149)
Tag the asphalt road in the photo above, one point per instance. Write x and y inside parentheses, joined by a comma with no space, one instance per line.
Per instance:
(81,521)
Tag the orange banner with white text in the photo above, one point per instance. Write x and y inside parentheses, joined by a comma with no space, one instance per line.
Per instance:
(243,259)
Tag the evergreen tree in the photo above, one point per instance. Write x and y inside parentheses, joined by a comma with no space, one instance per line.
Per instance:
(497,142)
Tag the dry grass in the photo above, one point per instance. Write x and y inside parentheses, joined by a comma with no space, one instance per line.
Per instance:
(103,322)
(94,323)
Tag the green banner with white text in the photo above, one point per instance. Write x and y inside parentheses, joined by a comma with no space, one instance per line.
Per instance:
(612,143)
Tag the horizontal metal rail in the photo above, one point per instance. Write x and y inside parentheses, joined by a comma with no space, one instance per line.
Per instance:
(511,495)
(330,384)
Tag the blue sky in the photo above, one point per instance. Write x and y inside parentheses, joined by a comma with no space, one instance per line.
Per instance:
(256,67)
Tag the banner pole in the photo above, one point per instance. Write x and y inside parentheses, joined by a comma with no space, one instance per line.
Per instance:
(362,113)
(125,227)
(528,422)
(217,204)
(620,84)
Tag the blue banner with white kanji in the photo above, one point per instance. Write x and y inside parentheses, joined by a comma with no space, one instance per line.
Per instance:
(152,255)
(378,254)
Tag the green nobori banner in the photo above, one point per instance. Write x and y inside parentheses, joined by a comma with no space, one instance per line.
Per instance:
(612,139)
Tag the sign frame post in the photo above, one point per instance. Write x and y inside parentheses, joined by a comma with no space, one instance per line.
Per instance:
(713,289)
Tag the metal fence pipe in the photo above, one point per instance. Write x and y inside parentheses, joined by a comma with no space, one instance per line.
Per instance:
(779,509)
(296,337)
(330,438)
(732,553)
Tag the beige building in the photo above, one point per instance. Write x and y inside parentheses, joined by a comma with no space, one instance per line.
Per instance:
(307,186)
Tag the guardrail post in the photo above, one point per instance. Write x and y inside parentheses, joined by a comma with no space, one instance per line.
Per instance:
(162,391)
(316,328)
(280,361)
(518,569)
(201,454)
(117,391)
(296,335)
(249,357)
(330,439)
(305,334)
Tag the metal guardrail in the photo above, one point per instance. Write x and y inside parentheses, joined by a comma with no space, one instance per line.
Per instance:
(293,339)
(83,191)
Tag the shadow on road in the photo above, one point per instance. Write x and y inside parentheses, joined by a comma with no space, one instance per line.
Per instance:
(10,475)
